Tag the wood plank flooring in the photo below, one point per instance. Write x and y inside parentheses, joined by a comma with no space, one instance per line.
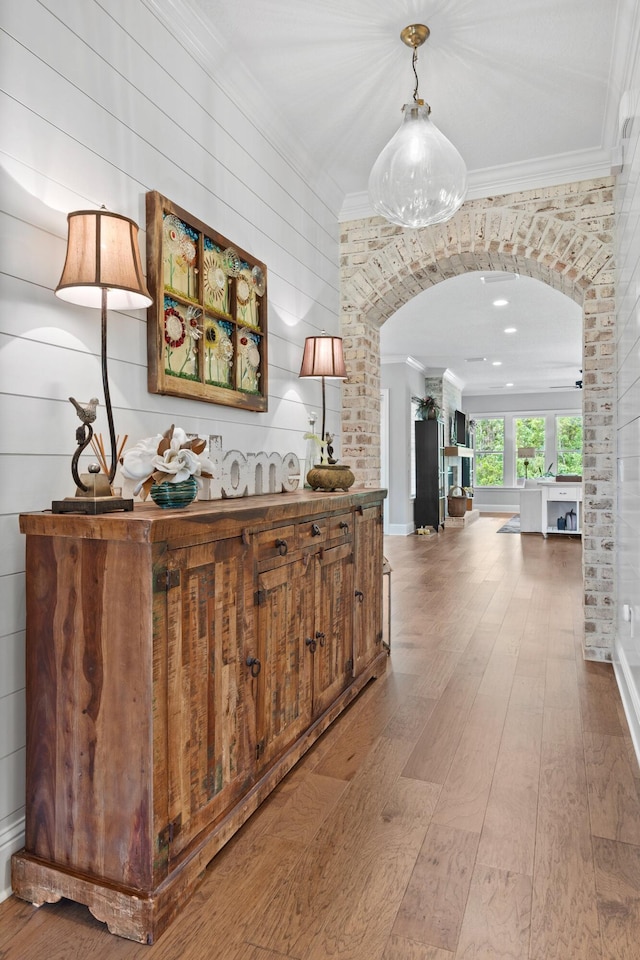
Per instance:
(481,800)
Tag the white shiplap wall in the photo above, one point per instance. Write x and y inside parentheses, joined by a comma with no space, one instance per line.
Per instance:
(100,103)
(627,645)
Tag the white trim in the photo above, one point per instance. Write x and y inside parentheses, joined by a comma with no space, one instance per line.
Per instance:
(494,507)
(401,358)
(511,178)
(11,840)
(384,449)
(629,694)
(401,529)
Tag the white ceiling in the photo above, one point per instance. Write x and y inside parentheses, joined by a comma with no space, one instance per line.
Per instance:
(525,89)
(455,326)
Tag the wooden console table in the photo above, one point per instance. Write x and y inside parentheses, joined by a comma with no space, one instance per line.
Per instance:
(179,663)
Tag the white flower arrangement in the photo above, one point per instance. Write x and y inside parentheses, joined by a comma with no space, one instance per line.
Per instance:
(166,458)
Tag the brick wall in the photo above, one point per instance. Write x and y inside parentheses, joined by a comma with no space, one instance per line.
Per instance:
(562,235)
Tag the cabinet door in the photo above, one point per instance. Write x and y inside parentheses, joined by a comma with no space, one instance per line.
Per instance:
(285,612)
(203,741)
(367,584)
(429,504)
(333,656)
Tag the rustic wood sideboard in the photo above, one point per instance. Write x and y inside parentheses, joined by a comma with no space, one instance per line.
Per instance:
(179,663)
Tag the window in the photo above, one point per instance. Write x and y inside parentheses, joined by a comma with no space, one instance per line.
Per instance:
(530,436)
(569,445)
(489,452)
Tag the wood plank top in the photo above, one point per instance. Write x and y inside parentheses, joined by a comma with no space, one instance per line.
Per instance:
(147,523)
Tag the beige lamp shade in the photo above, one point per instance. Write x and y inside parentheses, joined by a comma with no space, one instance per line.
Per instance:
(103,254)
(527,453)
(323,357)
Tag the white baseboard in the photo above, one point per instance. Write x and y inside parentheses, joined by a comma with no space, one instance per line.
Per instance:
(400,529)
(11,840)
(495,507)
(629,694)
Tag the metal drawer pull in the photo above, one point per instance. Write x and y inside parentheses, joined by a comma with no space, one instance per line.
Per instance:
(344,526)
(311,644)
(315,530)
(282,546)
(320,637)
(255,665)
(360,596)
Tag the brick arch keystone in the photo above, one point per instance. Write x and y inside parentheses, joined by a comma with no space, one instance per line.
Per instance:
(560,235)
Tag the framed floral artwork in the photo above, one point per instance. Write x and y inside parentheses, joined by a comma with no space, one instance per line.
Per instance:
(207,326)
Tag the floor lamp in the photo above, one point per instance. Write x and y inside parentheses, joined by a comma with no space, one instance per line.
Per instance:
(102,270)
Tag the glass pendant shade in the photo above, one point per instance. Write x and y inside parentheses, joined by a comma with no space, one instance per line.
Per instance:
(419,178)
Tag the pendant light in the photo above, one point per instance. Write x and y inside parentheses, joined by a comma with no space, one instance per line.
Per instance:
(419,178)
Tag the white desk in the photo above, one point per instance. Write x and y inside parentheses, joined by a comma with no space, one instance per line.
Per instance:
(557,500)
(530,500)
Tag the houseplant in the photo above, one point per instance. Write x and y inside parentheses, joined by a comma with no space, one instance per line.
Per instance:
(168,467)
(428,408)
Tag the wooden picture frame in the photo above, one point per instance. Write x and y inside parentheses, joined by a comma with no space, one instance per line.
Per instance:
(207,326)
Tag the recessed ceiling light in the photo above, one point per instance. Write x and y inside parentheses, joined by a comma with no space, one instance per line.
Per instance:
(496,363)
(475,359)
(510,329)
(508,384)
(500,303)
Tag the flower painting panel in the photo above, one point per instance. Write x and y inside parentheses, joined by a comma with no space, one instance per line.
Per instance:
(215,279)
(248,361)
(180,246)
(182,330)
(218,352)
(246,301)
(207,326)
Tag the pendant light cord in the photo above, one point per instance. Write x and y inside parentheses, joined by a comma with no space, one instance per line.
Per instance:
(414,60)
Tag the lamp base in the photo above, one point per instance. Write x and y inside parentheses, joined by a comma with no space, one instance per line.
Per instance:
(330,476)
(91,505)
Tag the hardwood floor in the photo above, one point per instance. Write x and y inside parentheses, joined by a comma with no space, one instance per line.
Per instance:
(481,800)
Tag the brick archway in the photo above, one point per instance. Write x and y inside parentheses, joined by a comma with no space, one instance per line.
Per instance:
(561,235)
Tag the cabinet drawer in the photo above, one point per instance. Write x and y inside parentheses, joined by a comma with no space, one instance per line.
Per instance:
(568,493)
(324,529)
(278,542)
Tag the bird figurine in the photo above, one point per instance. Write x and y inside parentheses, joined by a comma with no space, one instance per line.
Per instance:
(86,411)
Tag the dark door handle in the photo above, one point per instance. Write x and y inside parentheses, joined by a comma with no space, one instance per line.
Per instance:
(344,526)
(281,546)
(255,665)
(311,643)
(360,596)
(315,530)
(320,637)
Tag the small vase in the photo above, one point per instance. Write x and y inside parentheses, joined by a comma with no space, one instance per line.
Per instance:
(171,496)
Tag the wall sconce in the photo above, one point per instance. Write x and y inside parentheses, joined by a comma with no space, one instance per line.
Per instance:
(102,269)
(323,358)
(526,453)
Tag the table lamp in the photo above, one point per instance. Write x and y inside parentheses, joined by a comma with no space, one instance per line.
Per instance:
(102,270)
(323,358)
(526,453)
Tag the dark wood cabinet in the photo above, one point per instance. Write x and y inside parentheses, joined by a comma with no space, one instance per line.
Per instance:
(429,504)
(179,663)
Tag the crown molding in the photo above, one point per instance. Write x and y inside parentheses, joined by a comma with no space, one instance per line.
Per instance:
(407,361)
(511,178)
